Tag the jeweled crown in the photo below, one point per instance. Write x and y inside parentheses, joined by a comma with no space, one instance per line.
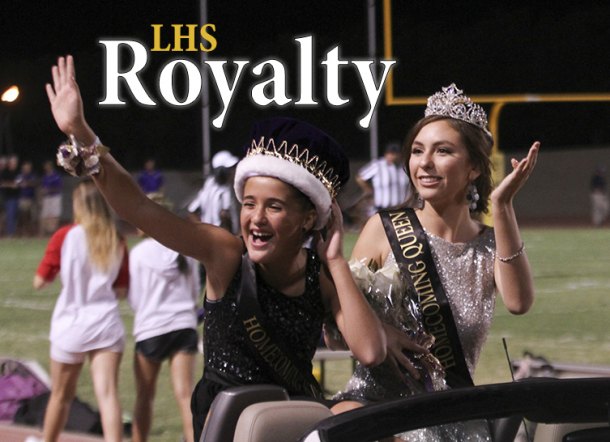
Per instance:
(300,156)
(451,102)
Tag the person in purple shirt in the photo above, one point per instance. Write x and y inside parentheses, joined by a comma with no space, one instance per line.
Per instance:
(51,201)
(150,179)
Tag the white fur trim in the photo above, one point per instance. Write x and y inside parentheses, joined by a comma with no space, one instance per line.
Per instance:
(290,173)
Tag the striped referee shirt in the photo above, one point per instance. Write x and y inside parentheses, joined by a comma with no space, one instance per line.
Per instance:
(211,200)
(390,183)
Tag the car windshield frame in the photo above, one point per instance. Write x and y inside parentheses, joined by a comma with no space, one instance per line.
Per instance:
(541,400)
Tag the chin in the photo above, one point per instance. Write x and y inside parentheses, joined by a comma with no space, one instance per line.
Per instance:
(258,256)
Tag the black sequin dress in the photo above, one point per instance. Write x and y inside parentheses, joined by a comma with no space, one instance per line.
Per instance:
(229,361)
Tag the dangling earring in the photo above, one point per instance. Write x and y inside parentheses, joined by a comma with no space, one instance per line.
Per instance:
(417,201)
(472,197)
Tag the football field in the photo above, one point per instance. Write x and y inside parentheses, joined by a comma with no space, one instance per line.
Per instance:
(568,322)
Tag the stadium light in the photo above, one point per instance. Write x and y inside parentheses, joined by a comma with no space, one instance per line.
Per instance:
(7,104)
(10,95)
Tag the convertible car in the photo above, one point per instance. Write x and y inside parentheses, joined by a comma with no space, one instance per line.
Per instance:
(566,407)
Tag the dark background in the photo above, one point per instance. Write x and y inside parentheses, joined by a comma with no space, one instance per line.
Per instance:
(485,47)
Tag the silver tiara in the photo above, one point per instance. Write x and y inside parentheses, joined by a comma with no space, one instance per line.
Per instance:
(451,102)
(301,156)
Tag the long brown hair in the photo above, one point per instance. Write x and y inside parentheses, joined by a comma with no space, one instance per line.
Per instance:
(477,143)
(93,214)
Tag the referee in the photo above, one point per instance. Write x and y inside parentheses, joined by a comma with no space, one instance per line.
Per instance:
(214,203)
(385,179)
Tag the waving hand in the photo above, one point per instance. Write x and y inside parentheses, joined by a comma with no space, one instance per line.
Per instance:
(66,102)
(510,185)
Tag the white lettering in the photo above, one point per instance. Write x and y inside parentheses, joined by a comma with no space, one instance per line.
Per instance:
(140,58)
(166,82)
(224,89)
(306,71)
(332,64)
(226,76)
(373,91)
(277,83)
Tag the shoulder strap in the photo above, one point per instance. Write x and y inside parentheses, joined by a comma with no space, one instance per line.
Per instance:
(414,257)
(271,352)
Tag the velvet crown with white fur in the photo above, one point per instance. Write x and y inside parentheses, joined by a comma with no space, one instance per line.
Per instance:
(298,154)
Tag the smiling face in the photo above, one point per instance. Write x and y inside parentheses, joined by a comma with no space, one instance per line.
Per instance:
(274,219)
(440,165)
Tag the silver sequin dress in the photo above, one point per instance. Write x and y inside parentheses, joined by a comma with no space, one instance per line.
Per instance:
(467,273)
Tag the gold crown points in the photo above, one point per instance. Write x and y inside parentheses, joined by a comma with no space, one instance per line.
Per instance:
(452,102)
(300,156)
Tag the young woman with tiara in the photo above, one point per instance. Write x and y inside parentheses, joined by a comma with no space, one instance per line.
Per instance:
(265,284)
(431,269)
(91,259)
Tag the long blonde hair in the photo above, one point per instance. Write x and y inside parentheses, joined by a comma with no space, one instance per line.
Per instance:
(93,214)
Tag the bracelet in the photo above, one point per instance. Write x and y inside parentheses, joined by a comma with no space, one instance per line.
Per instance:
(515,256)
(79,160)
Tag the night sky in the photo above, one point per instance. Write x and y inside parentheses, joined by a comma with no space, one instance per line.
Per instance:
(485,47)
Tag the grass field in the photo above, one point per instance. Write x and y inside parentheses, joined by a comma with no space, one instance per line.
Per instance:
(569,321)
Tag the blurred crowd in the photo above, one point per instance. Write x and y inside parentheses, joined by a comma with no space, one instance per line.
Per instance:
(30,203)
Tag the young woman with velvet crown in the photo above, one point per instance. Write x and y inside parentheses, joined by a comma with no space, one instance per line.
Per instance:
(286,184)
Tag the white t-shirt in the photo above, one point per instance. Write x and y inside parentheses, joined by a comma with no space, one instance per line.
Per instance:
(86,315)
(163,299)
(211,200)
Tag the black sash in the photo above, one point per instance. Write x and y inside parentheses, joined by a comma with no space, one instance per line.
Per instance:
(271,352)
(414,258)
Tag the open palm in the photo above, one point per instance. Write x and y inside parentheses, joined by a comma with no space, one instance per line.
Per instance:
(331,247)
(510,185)
(64,96)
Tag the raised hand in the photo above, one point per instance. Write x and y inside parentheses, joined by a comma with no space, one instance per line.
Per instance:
(66,102)
(330,246)
(510,185)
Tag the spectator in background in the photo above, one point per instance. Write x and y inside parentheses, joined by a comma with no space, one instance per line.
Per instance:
(92,260)
(10,193)
(27,183)
(163,293)
(385,179)
(599,197)
(215,203)
(51,199)
(150,179)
